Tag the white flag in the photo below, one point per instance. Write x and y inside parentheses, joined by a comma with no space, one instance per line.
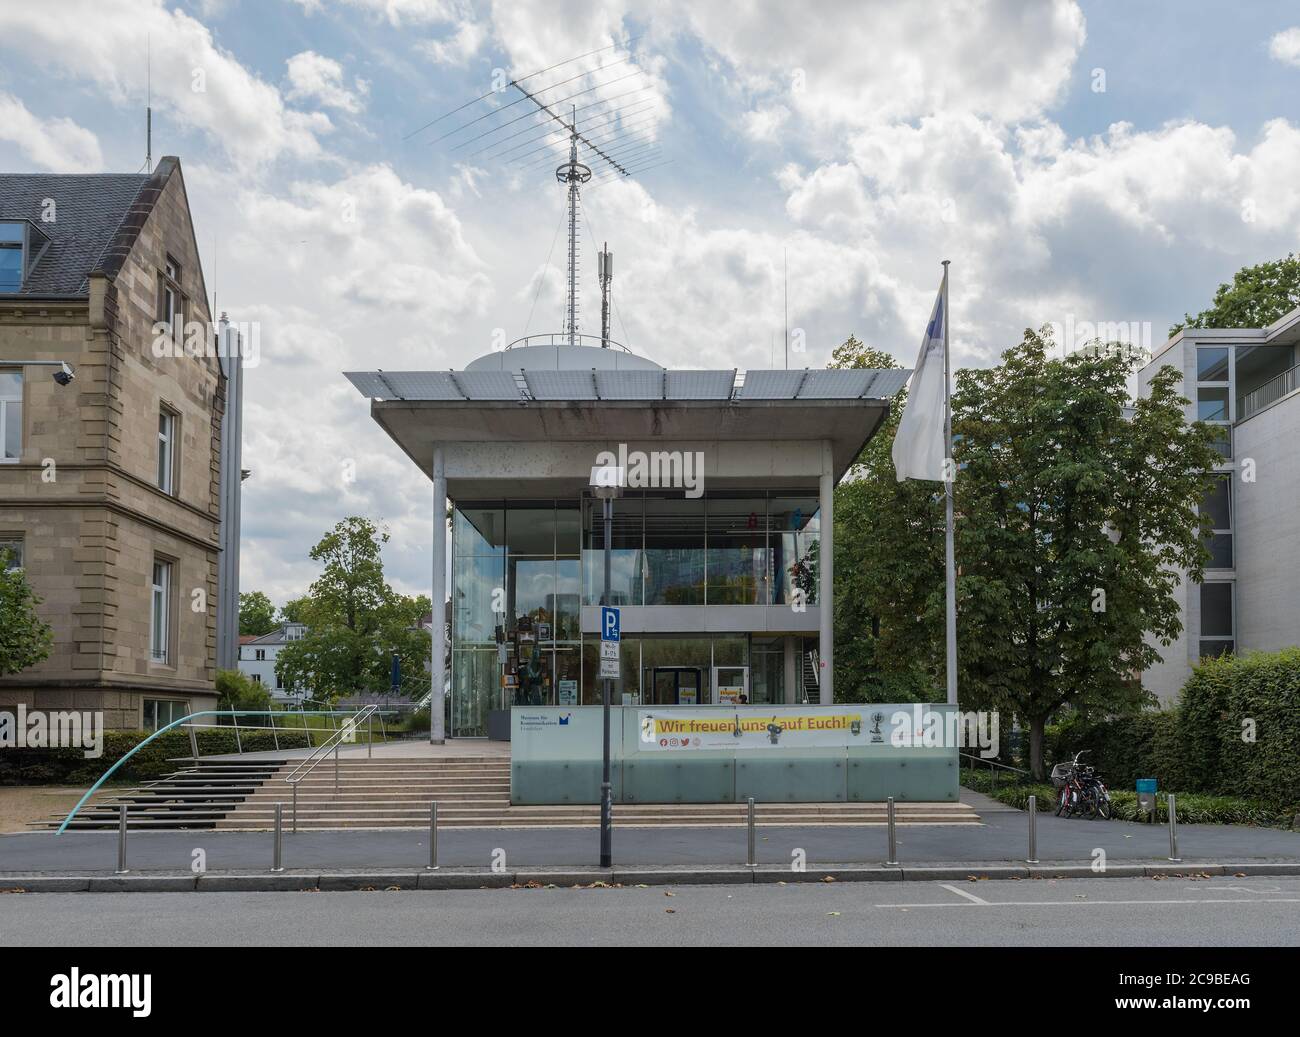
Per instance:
(920,444)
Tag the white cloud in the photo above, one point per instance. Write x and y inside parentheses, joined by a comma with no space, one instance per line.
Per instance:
(1285,46)
(56,144)
(195,82)
(315,77)
(396,12)
(459,47)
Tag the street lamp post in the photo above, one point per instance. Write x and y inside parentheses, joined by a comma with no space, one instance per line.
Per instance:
(606,484)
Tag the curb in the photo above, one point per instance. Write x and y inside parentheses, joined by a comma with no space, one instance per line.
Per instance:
(461,878)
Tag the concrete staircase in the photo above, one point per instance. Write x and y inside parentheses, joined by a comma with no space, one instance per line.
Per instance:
(474,792)
(196,796)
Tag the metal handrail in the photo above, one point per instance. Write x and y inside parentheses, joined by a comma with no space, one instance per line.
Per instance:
(318,754)
(561,338)
(993,765)
(1269,392)
(182,722)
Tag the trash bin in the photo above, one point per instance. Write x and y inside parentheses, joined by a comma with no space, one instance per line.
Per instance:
(1146,793)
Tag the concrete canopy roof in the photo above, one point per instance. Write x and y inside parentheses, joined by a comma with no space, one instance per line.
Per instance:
(847,423)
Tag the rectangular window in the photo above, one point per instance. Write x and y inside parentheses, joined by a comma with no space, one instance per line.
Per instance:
(11,552)
(1212,404)
(161,712)
(261,655)
(1217,503)
(160,611)
(1212,364)
(1218,630)
(257,678)
(166,450)
(171,302)
(11,414)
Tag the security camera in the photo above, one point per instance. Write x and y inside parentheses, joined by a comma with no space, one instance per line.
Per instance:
(64,374)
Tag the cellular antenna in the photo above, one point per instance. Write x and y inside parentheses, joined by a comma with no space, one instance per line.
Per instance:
(615,141)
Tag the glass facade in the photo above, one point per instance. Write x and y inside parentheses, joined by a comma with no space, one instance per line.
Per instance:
(521,571)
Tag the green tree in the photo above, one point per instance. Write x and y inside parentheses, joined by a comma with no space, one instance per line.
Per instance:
(1257,297)
(355,621)
(852,353)
(1073,519)
(25,638)
(292,610)
(256,613)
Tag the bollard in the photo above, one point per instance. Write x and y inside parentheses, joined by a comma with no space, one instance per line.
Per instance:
(433,837)
(1173,831)
(194,742)
(752,860)
(893,836)
(121,840)
(370,737)
(277,858)
(1033,831)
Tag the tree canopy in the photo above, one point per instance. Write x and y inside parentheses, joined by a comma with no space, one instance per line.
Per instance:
(256,613)
(25,638)
(355,621)
(1074,514)
(1258,296)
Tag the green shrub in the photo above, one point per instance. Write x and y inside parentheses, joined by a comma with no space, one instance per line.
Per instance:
(159,758)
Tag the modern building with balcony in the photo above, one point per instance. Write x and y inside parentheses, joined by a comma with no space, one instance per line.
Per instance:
(1244,381)
(721,555)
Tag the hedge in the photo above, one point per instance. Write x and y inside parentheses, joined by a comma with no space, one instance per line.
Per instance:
(1205,743)
(156,760)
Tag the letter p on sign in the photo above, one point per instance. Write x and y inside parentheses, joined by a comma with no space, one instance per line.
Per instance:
(609,623)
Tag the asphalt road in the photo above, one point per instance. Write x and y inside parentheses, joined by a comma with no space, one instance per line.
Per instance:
(1002,837)
(1074,912)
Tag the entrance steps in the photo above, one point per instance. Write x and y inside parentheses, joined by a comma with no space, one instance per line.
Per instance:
(475,793)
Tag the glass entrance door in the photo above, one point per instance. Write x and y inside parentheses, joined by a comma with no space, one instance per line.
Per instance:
(731,685)
(674,685)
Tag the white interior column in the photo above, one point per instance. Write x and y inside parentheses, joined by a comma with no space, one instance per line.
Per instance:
(437,707)
(793,670)
(826,590)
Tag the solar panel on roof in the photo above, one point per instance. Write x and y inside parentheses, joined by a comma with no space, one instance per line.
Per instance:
(835,385)
(887,383)
(487,385)
(422,385)
(771,385)
(630,385)
(367,383)
(699,385)
(561,385)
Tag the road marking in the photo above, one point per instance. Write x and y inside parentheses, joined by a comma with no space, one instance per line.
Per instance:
(1087,903)
(962,893)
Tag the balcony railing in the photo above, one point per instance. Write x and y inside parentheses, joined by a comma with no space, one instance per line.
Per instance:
(1270,392)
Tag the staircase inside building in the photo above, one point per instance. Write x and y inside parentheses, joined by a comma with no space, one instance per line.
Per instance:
(471,792)
(811,678)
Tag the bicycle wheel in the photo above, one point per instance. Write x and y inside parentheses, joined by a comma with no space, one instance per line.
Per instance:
(1062,801)
(1104,808)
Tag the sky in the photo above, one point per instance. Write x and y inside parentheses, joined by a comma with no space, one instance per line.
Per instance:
(1101,161)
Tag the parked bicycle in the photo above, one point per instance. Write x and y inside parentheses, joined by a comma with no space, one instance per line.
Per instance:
(1080,790)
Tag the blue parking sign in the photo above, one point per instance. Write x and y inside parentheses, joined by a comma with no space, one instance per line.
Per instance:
(609,623)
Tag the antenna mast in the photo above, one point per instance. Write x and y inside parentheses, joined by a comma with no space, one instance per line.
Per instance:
(148,105)
(605,269)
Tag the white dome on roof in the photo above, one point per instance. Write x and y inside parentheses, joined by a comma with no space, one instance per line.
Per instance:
(561,356)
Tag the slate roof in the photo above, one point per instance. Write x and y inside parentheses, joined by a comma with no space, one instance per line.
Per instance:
(92,214)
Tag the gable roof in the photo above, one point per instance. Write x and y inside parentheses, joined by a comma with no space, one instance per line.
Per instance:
(97,219)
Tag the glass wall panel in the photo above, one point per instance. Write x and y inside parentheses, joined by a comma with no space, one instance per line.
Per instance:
(674,551)
(795,541)
(477,585)
(625,552)
(479,528)
(530,527)
(1217,503)
(567,610)
(737,551)
(568,527)
(669,653)
(475,682)
(629,667)
(531,595)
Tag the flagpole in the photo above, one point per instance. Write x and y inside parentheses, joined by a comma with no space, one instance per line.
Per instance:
(951,566)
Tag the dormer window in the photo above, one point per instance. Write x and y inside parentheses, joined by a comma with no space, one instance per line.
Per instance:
(171,302)
(12,240)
